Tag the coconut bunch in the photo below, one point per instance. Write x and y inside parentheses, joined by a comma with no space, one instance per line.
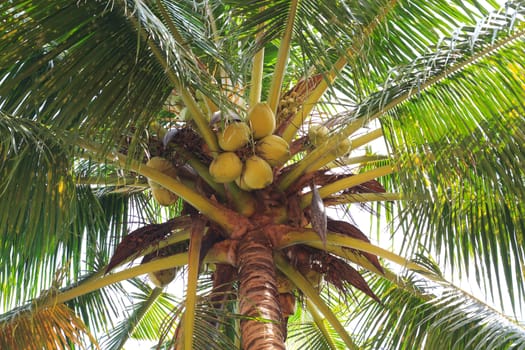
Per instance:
(249,150)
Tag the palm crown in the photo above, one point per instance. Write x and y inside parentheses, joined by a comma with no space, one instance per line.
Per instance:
(216,135)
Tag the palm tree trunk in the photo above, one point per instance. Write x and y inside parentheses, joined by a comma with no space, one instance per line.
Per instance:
(258,294)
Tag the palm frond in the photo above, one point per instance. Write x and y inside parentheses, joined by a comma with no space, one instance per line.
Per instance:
(35,166)
(416,314)
(452,55)
(471,170)
(146,303)
(303,333)
(87,57)
(53,327)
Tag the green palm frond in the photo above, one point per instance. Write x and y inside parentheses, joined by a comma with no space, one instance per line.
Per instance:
(304,333)
(147,313)
(450,56)
(37,167)
(464,154)
(85,59)
(416,314)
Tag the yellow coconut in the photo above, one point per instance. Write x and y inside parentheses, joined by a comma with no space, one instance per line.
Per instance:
(274,149)
(157,129)
(162,195)
(262,120)
(226,167)
(343,148)
(234,136)
(317,134)
(257,173)
(163,277)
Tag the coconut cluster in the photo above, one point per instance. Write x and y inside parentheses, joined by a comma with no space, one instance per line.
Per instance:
(255,171)
(317,134)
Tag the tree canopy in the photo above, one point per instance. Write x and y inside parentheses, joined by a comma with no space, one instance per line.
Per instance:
(92,93)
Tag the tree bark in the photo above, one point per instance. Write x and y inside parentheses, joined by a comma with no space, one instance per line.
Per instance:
(258,294)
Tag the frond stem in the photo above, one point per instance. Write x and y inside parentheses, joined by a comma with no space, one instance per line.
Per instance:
(282,59)
(257,74)
(171,26)
(118,181)
(319,321)
(155,265)
(355,143)
(197,232)
(216,212)
(197,115)
(362,159)
(348,182)
(366,197)
(336,240)
(316,94)
(313,295)
(318,153)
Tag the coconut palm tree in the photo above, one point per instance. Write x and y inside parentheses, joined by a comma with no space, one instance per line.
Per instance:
(226,141)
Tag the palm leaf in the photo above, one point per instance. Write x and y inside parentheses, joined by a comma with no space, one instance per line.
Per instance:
(304,333)
(86,59)
(479,194)
(143,322)
(416,314)
(35,165)
(54,327)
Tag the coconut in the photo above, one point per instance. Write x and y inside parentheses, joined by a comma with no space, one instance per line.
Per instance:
(226,167)
(162,195)
(163,277)
(262,120)
(234,136)
(274,149)
(343,148)
(242,185)
(257,173)
(317,134)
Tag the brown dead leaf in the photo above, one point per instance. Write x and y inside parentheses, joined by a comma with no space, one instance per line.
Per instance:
(142,238)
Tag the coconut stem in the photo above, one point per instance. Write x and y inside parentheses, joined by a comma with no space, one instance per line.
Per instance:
(202,170)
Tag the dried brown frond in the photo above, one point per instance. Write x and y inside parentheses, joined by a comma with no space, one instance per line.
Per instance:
(335,270)
(49,328)
(144,237)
